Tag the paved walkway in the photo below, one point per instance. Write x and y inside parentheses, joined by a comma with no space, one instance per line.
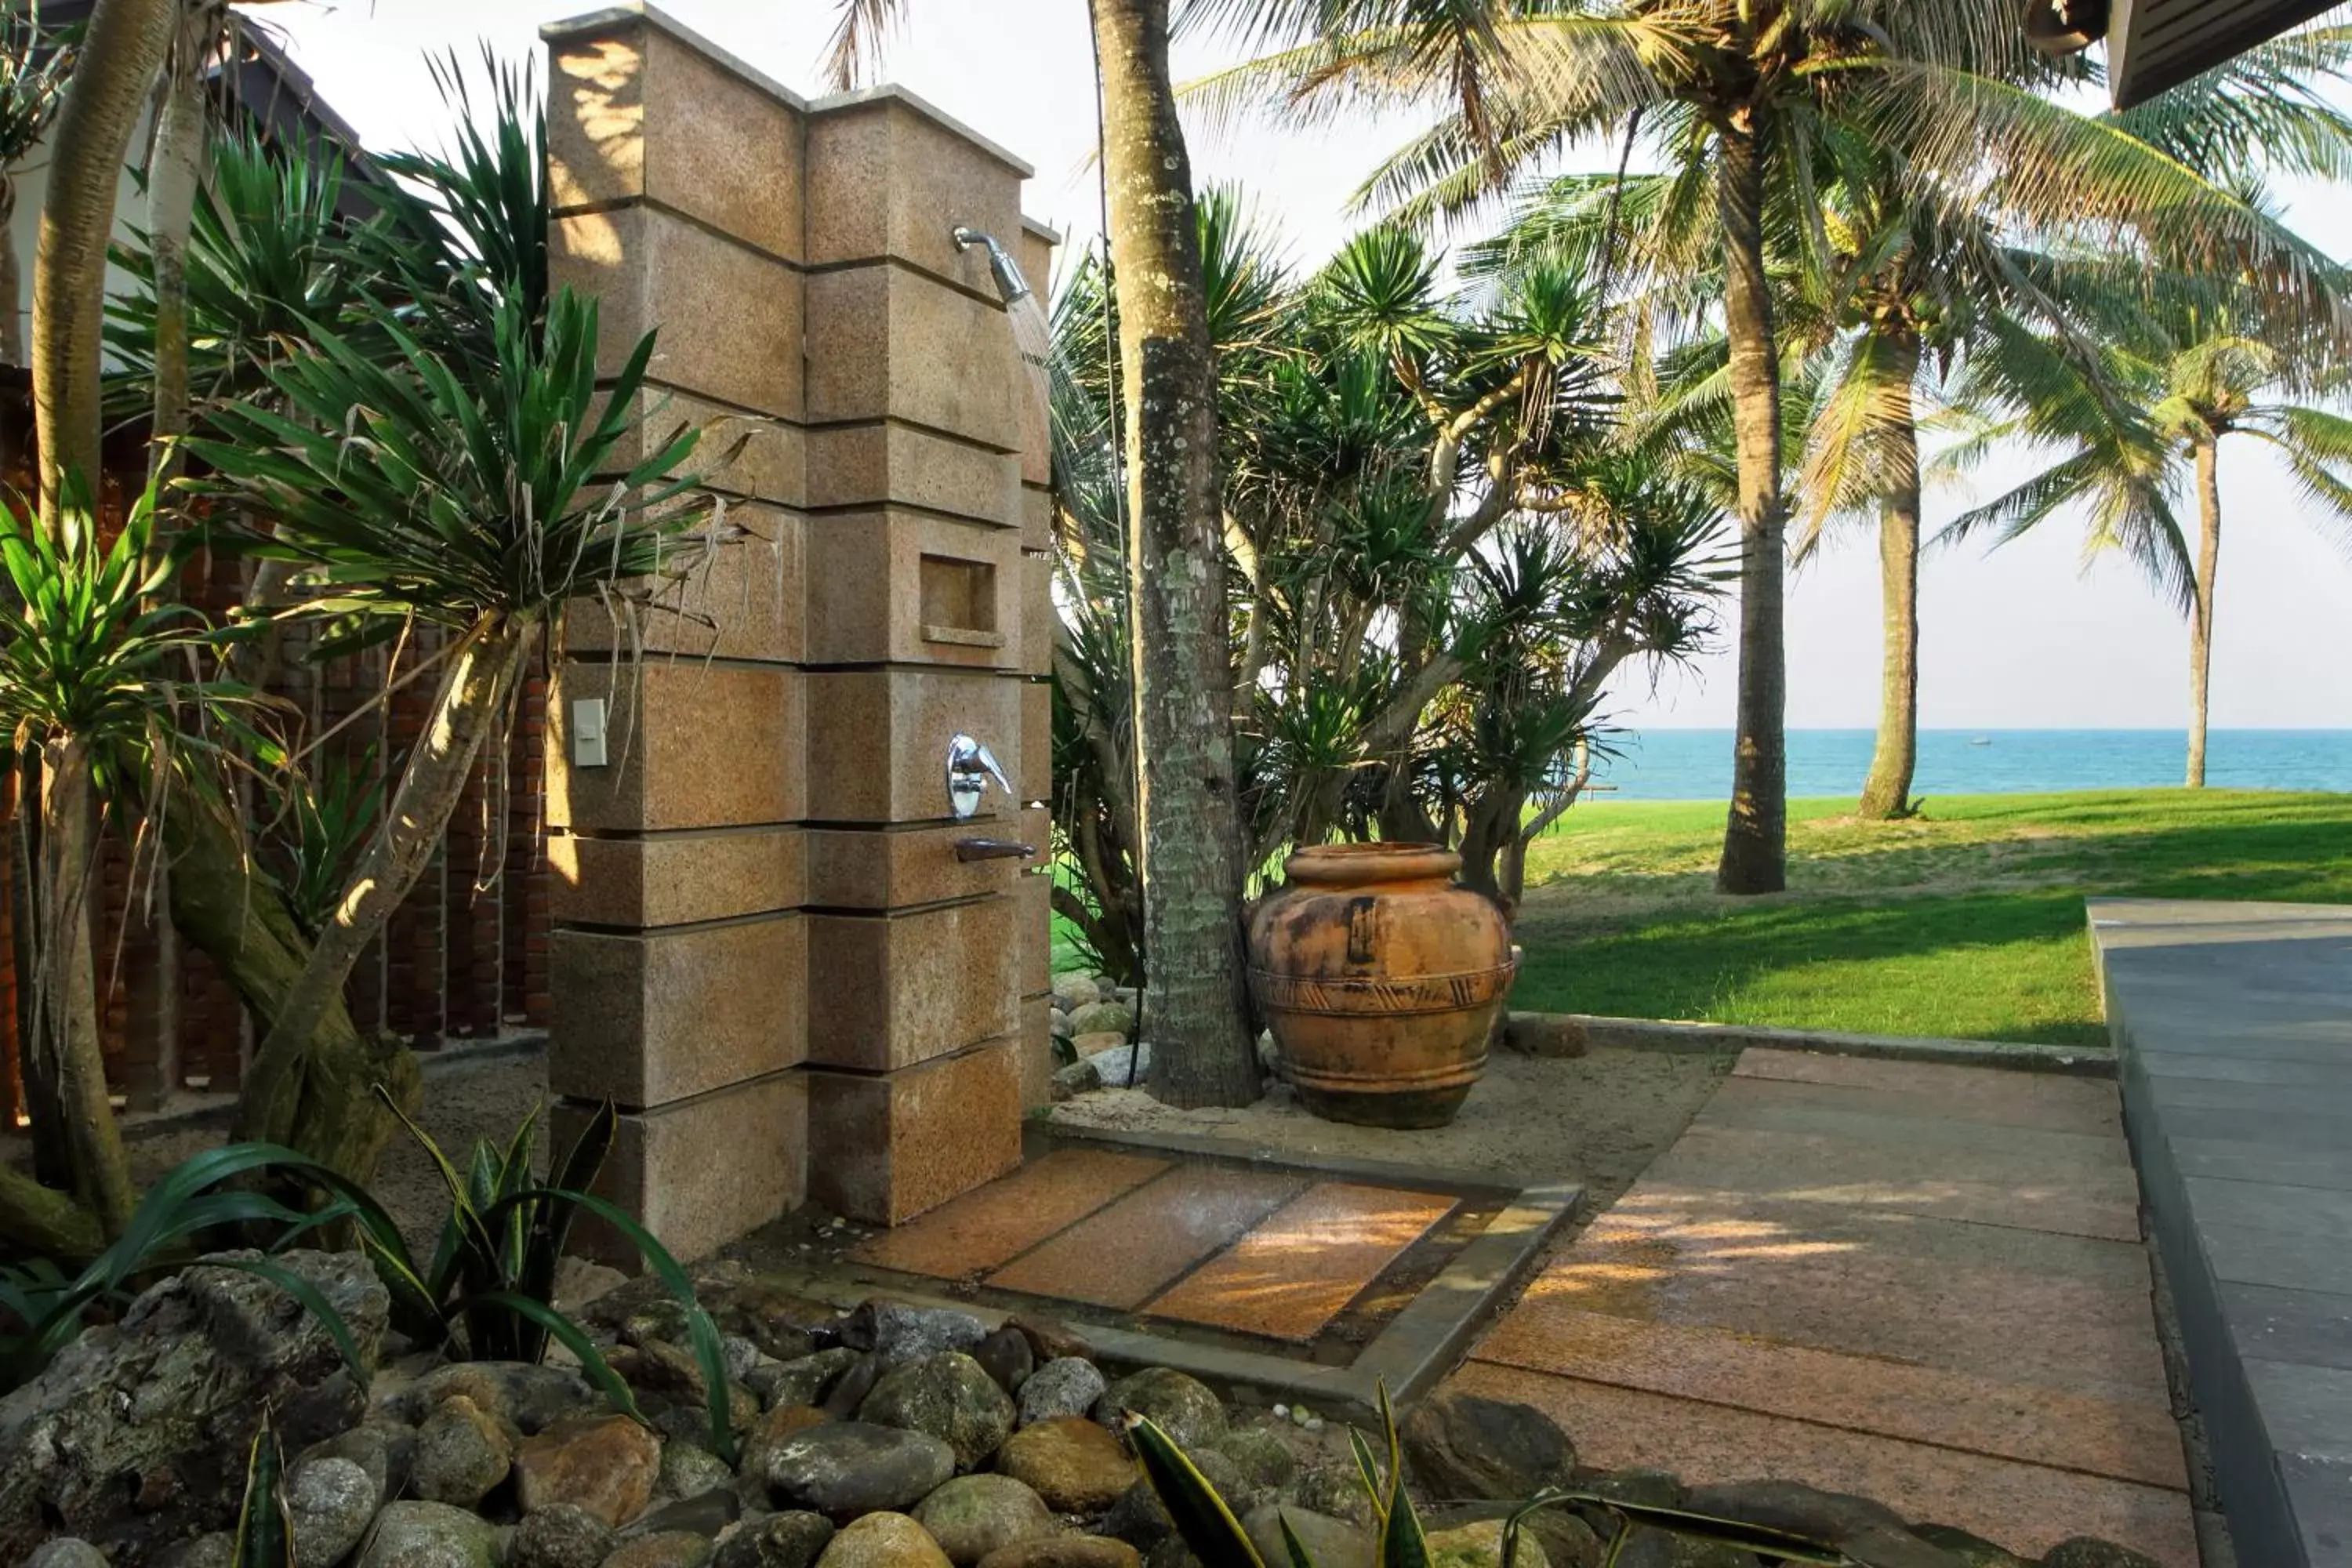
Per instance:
(1924,1284)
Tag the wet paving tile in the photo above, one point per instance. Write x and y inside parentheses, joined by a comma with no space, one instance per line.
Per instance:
(2047,1101)
(2027,1508)
(1130,1250)
(1291,1276)
(2128,1439)
(983,1230)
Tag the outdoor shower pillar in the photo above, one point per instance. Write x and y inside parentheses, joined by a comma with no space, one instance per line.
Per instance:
(767,950)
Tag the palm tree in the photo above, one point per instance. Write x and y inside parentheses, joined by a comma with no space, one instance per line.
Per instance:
(1756,101)
(1191,825)
(2153,416)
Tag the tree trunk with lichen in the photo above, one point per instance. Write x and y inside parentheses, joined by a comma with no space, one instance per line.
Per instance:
(469,707)
(1755,838)
(1189,810)
(1887,790)
(122,46)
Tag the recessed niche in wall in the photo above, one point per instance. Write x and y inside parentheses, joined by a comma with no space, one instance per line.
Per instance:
(960,602)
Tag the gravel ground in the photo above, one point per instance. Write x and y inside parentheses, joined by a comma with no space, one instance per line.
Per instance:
(1599,1120)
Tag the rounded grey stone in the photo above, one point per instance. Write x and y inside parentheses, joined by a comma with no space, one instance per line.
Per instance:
(560,1535)
(780,1541)
(66,1551)
(845,1468)
(949,1395)
(330,1503)
(972,1516)
(411,1534)
(688,1470)
(1066,1387)
(461,1453)
(1179,1404)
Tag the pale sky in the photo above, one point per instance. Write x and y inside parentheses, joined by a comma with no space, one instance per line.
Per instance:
(2019,638)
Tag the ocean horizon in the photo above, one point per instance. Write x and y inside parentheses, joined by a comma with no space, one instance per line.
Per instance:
(1696,765)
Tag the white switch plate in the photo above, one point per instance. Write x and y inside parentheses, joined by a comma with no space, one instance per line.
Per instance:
(588,732)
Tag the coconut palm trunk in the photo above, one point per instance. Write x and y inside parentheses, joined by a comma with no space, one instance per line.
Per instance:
(1886,790)
(1756,833)
(469,707)
(1187,813)
(2200,612)
(123,47)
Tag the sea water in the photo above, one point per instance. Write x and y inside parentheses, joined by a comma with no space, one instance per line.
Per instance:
(1696,765)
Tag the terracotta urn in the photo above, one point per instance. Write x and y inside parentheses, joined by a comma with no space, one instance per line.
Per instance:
(1382,980)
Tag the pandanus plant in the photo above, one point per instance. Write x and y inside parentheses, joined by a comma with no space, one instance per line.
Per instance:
(417,490)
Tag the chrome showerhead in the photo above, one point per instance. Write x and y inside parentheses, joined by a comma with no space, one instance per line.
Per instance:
(1009,281)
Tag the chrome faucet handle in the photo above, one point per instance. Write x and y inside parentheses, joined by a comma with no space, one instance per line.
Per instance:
(970,767)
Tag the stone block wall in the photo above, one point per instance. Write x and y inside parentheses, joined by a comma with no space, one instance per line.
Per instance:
(767,951)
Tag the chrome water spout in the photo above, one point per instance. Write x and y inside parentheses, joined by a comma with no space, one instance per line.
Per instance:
(970,767)
(970,850)
(1010,284)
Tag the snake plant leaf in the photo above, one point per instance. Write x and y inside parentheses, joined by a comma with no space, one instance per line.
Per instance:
(1200,1516)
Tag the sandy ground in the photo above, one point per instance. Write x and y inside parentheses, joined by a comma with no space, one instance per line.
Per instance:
(1599,1120)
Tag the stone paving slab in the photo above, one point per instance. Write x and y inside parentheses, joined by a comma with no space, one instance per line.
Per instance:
(2027,1508)
(1874,1166)
(1945,1093)
(1926,1292)
(1293,1274)
(1129,1252)
(1920,1283)
(983,1230)
(2134,1439)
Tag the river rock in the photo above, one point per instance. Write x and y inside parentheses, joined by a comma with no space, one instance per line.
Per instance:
(1567,1541)
(1102,1019)
(2085,1552)
(1081,1077)
(369,1446)
(972,1516)
(330,1503)
(218,1549)
(1459,1445)
(802,1382)
(560,1535)
(664,1549)
(1480,1545)
(606,1464)
(688,1471)
(172,1395)
(1006,1356)
(1263,1460)
(1331,1543)
(1336,1489)
(1072,991)
(949,1395)
(461,1454)
(1972,1550)
(1141,1519)
(1095,1042)
(67,1551)
(1862,1528)
(845,1468)
(1075,1465)
(530,1396)
(1064,1552)
(429,1535)
(1654,1488)
(795,1539)
(898,1333)
(1050,1338)
(1177,1405)
(1065,1386)
(850,1389)
(707,1514)
(883,1540)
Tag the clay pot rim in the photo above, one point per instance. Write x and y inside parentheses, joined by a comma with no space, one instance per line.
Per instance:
(1348,865)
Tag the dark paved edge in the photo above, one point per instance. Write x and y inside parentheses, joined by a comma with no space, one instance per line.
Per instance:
(2244,1193)
(1045,1135)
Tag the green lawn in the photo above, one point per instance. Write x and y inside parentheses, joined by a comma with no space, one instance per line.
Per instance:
(1968,922)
